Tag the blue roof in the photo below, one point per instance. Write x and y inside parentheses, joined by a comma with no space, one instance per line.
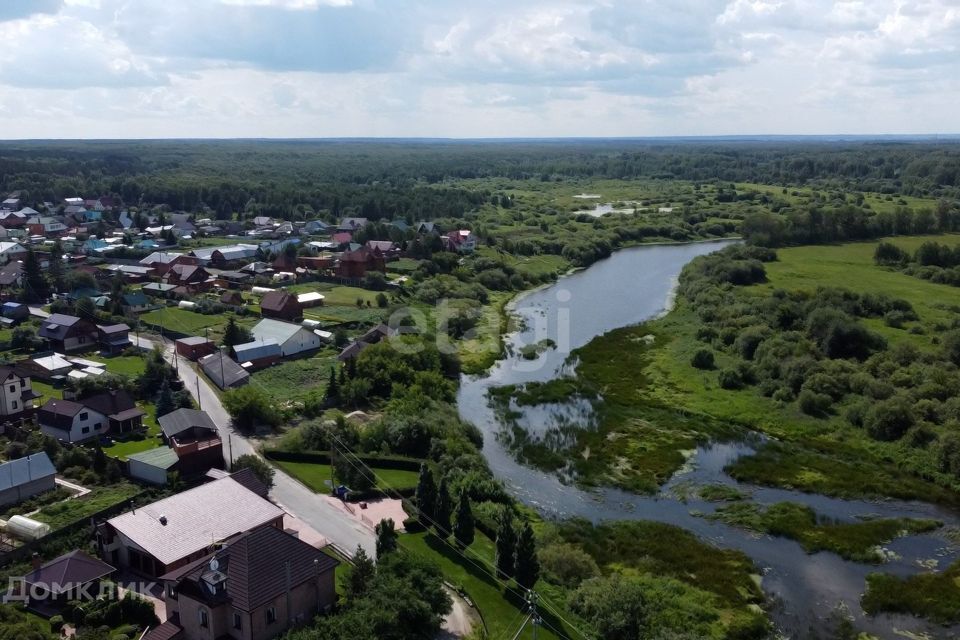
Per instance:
(23,470)
(12,305)
(256,350)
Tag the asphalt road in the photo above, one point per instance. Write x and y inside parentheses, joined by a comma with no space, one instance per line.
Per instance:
(327,519)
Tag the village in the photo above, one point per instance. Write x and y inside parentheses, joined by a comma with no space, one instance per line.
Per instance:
(121,330)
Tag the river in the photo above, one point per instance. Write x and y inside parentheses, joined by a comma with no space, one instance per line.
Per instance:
(631,286)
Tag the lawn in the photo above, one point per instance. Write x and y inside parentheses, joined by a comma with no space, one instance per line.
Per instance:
(191,322)
(317,476)
(502,610)
(74,510)
(337,294)
(121,449)
(46,391)
(131,366)
(297,379)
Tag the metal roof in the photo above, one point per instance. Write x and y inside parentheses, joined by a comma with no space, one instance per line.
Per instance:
(160,457)
(23,470)
(276,330)
(256,350)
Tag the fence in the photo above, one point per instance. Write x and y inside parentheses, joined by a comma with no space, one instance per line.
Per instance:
(397,463)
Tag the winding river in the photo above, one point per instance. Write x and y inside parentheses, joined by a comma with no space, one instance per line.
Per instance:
(631,286)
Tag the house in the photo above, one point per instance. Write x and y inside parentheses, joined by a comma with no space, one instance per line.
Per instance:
(135,302)
(292,338)
(16,219)
(317,263)
(45,226)
(351,351)
(11,275)
(316,227)
(159,289)
(163,261)
(11,252)
(400,224)
(461,241)
(193,437)
(192,277)
(341,238)
(352,224)
(114,338)
(68,333)
(153,466)
(83,419)
(173,532)
(261,584)
(281,305)
(224,371)
(195,347)
(355,264)
(263,221)
(257,354)
(45,366)
(23,478)
(233,279)
(11,203)
(74,576)
(224,255)
(232,298)
(383,246)
(74,201)
(426,228)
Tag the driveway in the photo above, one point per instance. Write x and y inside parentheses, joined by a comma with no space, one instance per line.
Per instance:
(331,521)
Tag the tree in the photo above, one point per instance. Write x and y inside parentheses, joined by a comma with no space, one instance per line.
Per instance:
(234,334)
(258,465)
(506,546)
(444,511)
(463,524)
(889,419)
(527,565)
(703,359)
(34,284)
(332,391)
(55,271)
(426,495)
(615,606)
(361,574)
(386,538)
(351,471)
(165,401)
(248,406)
(382,300)
(86,309)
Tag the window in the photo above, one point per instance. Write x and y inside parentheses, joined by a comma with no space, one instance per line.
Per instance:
(204,619)
(85,430)
(13,388)
(99,426)
(14,404)
(23,382)
(237,621)
(84,415)
(271,615)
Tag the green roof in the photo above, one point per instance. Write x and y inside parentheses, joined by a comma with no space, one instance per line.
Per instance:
(161,457)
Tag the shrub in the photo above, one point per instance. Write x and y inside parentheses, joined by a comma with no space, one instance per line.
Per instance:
(730,379)
(814,404)
(567,565)
(889,419)
(703,359)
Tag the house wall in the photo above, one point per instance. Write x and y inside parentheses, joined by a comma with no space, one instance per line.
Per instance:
(147,472)
(10,402)
(299,342)
(14,495)
(96,423)
(76,343)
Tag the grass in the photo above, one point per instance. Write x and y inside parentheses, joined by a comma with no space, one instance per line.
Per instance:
(297,379)
(337,295)
(502,610)
(192,323)
(935,596)
(858,541)
(131,366)
(46,391)
(317,476)
(61,514)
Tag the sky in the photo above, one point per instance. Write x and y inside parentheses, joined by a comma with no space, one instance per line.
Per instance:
(484,68)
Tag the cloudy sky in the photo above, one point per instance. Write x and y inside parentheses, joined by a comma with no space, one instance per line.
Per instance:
(484,68)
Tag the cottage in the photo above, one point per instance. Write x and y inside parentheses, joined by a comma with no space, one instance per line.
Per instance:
(171,533)
(79,420)
(114,338)
(15,312)
(260,585)
(17,394)
(352,224)
(232,299)
(195,347)
(281,305)
(355,264)
(223,371)
(461,241)
(135,302)
(11,251)
(292,338)
(187,275)
(23,478)
(11,276)
(68,333)
(194,439)
(45,226)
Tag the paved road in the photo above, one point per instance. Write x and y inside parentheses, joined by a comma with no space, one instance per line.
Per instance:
(327,519)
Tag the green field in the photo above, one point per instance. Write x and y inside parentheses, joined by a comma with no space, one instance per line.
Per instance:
(131,366)
(192,323)
(297,379)
(317,476)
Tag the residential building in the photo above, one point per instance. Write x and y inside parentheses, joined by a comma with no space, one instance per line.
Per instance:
(14,312)
(11,275)
(225,255)
(187,275)
(114,338)
(292,338)
(194,439)
(223,371)
(23,478)
(83,419)
(281,305)
(168,534)
(46,226)
(135,302)
(355,264)
(68,333)
(461,241)
(261,584)
(16,395)
(11,252)
(352,224)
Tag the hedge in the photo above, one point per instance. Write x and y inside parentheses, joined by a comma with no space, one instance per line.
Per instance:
(398,463)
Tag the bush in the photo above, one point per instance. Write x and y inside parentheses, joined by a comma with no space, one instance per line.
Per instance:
(730,379)
(814,404)
(889,419)
(703,359)
(567,565)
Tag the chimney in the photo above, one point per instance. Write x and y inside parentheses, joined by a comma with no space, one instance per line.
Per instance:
(35,561)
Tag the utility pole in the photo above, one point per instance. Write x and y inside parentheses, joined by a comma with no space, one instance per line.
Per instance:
(199,403)
(533,617)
